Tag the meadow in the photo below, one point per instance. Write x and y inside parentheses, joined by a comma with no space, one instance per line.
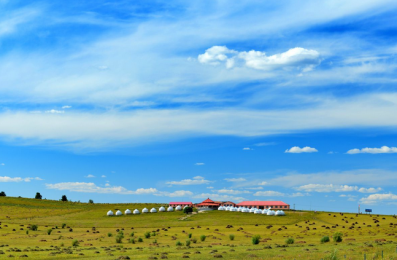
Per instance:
(70,230)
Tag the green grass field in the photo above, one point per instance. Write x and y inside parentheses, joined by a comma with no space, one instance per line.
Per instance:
(367,236)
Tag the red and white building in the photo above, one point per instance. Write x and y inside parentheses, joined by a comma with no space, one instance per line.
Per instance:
(210,204)
(227,203)
(182,204)
(263,204)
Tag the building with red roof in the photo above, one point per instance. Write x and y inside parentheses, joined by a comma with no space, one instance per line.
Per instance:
(208,204)
(264,204)
(182,204)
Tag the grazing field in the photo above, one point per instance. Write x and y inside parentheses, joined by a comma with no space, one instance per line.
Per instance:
(67,230)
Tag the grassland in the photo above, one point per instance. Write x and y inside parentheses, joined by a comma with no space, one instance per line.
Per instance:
(363,235)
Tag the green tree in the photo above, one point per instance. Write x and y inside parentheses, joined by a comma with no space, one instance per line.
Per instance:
(91,201)
(38,196)
(187,210)
(64,198)
(3,194)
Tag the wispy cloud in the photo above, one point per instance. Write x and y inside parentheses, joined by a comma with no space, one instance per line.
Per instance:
(383,149)
(18,179)
(335,188)
(90,176)
(199,164)
(219,197)
(195,181)
(297,149)
(230,191)
(235,179)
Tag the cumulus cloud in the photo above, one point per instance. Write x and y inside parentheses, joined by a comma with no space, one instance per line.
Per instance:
(230,191)
(90,176)
(66,107)
(305,149)
(235,179)
(383,149)
(53,111)
(369,190)
(327,188)
(263,183)
(295,57)
(219,197)
(103,176)
(269,193)
(18,179)
(178,193)
(377,198)
(247,149)
(199,163)
(90,187)
(195,181)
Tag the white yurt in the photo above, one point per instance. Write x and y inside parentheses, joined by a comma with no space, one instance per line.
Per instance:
(252,210)
(119,213)
(245,210)
(233,209)
(220,208)
(264,211)
(153,210)
(239,209)
(178,208)
(161,209)
(145,210)
(136,211)
(110,213)
(258,211)
(170,209)
(270,213)
(280,213)
(127,212)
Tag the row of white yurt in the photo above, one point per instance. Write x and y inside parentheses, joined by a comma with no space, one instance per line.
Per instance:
(145,210)
(268,212)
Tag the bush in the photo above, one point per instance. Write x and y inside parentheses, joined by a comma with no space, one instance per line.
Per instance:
(147,235)
(132,234)
(63,225)
(34,227)
(338,237)
(178,243)
(153,234)
(190,235)
(91,201)
(231,237)
(132,241)
(27,232)
(64,198)
(38,196)
(187,242)
(324,239)
(119,238)
(202,238)
(255,239)
(140,239)
(3,194)
(75,243)
(49,231)
(187,210)
(289,241)
(194,240)
(110,234)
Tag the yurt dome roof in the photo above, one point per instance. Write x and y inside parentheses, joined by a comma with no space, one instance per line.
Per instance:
(136,211)
(170,209)
(252,210)
(118,213)
(178,208)
(270,213)
(145,210)
(162,209)
(110,213)
(153,210)
(127,211)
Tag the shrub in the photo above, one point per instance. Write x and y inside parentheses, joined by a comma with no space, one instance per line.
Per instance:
(75,243)
(132,234)
(155,241)
(38,196)
(91,201)
(140,239)
(202,238)
(255,239)
(3,194)
(62,244)
(64,198)
(110,234)
(190,235)
(119,238)
(49,231)
(34,227)
(63,225)
(153,234)
(231,237)
(338,237)
(178,243)
(147,235)
(187,242)
(194,240)
(289,241)
(324,239)
(132,241)
(187,210)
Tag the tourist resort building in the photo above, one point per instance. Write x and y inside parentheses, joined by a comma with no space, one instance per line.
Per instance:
(227,203)
(208,204)
(182,204)
(263,204)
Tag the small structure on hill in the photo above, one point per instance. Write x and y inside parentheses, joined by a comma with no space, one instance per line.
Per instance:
(182,204)
(127,212)
(118,213)
(208,204)
(153,210)
(170,209)
(145,210)
(110,213)
(264,204)
(178,208)
(136,211)
(161,209)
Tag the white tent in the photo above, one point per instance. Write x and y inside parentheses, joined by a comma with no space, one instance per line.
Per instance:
(136,211)
(221,208)
(170,209)
(239,209)
(118,213)
(153,210)
(127,212)
(110,213)
(258,211)
(264,211)
(178,208)
(252,210)
(270,213)
(280,213)
(245,210)
(145,210)
(233,209)
(161,209)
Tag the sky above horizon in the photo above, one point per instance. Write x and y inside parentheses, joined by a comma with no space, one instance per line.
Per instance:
(159,101)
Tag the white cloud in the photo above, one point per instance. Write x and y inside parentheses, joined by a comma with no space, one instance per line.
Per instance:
(218,197)
(90,187)
(66,107)
(103,176)
(3,164)
(210,187)
(369,190)
(263,183)
(247,149)
(265,144)
(256,188)
(195,181)
(349,197)
(383,149)
(199,163)
(295,57)
(269,193)
(235,179)
(90,176)
(299,194)
(234,192)
(53,111)
(327,188)
(18,179)
(378,198)
(305,149)
(178,193)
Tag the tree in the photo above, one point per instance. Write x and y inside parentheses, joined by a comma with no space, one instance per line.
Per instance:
(187,210)
(64,198)
(90,201)
(3,194)
(38,196)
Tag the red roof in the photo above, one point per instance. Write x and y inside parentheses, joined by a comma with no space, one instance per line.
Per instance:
(208,201)
(208,204)
(262,203)
(180,203)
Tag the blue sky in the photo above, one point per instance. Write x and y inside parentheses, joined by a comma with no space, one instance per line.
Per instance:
(158,101)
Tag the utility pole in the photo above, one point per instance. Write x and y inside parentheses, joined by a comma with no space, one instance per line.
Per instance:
(358,208)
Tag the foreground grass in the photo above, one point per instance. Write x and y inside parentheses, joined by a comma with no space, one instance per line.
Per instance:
(89,225)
